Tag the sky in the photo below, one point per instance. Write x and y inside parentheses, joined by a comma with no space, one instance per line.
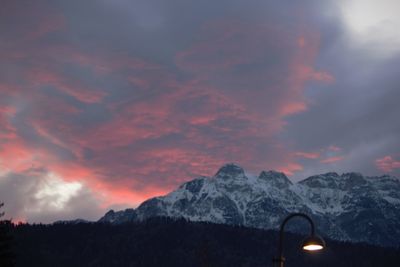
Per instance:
(106,103)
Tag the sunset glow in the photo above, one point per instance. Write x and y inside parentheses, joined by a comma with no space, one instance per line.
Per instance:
(109,103)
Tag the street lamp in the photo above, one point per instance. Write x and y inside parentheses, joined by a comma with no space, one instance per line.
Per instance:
(311,243)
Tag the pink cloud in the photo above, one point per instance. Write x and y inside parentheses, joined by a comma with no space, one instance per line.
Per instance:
(74,88)
(230,44)
(334,148)
(9,89)
(307,155)
(387,164)
(7,131)
(39,19)
(332,159)
(47,24)
(290,169)
(292,108)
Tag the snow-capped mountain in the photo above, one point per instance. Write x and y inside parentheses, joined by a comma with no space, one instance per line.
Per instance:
(345,207)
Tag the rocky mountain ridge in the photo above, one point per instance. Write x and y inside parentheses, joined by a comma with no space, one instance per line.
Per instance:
(345,207)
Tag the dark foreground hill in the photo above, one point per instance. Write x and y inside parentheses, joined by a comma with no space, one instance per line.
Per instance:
(167,242)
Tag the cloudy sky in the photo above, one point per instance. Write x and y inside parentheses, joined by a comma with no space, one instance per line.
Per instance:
(106,103)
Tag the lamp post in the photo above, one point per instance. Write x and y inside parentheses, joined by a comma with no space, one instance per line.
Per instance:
(311,243)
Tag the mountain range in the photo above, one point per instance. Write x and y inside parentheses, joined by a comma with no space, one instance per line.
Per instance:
(348,207)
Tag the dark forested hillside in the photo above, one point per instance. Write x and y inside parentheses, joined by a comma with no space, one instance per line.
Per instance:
(166,242)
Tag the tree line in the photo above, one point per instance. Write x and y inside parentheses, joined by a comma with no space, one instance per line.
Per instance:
(177,242)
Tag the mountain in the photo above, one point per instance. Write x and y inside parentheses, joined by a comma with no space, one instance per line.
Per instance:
(349,207)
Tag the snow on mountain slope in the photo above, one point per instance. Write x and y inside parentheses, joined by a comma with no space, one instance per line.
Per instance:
(345,207)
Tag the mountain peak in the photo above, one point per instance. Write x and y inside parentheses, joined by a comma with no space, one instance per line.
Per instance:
(230,170)
(326,180)
(110,212)
(275,178)
(351,179)
(331,174)
(352,175)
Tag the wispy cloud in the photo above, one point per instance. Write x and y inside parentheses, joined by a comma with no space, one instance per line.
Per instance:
(128,106)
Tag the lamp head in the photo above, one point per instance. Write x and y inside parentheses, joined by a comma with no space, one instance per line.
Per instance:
(313,243)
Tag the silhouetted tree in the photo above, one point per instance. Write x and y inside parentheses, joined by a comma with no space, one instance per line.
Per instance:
(6,255)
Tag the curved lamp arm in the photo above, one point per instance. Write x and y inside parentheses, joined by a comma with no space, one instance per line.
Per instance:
(313,242)
(281,231)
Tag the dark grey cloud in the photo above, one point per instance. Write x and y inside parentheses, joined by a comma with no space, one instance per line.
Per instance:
(358,112)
